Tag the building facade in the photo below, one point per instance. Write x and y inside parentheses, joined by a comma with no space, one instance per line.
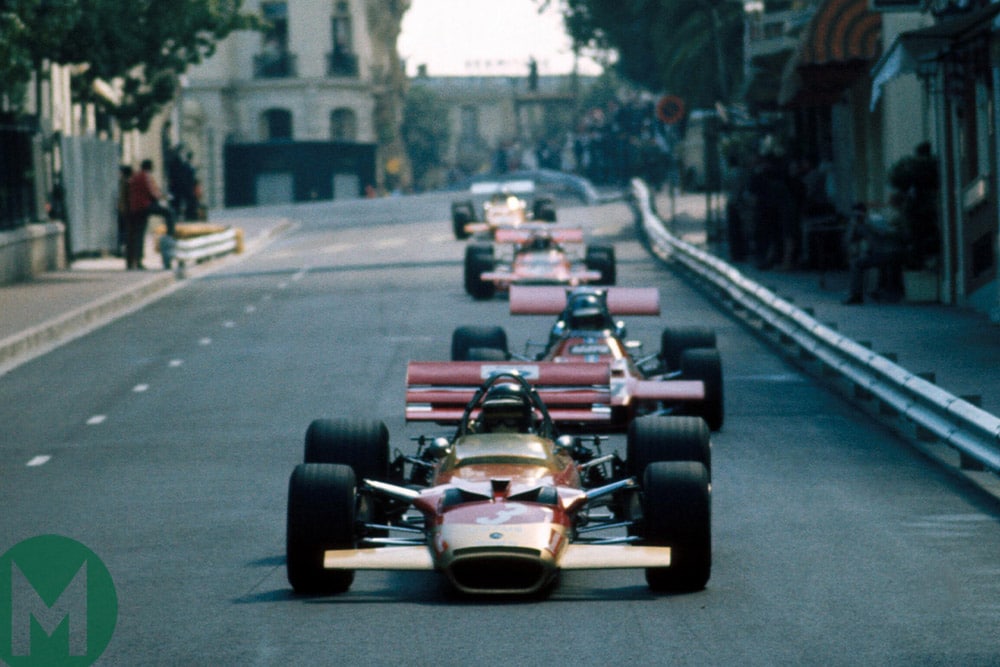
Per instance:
(312,101)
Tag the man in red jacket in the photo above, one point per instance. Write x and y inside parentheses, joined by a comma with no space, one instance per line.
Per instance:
(143,200)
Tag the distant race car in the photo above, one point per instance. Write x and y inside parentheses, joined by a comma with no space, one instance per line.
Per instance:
(505,503)
(502,205)
(534,254)
(683,378)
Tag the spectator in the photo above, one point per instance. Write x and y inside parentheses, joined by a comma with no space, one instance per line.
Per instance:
(144,200)
(874,242)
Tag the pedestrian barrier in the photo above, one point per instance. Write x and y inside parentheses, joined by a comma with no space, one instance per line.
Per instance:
(196,249)
(973,432)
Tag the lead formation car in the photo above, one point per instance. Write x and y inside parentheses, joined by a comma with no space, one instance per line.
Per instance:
(536,255)
(502,205)
(505,503)
(684,377)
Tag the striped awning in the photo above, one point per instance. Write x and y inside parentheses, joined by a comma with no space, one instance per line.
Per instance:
(842,40)
(841,31)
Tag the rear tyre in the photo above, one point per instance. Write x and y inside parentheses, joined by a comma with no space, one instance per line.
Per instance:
(543,210)
(675,340)
(705,365)
(657,438)
(602,258)
(677,512)
(462,213)
(361,444)
(479,260)
(321,508)
(471,343)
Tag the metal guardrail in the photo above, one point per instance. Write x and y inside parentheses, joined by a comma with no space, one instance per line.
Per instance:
(200,248)
(972,431)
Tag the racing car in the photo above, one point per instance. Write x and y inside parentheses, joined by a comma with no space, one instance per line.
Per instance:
(536,255)
(506,206)
(505,503)
(683,378)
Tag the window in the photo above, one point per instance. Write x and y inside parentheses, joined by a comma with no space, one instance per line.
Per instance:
(343,125)
(277,125)
(274,61)
(341,60)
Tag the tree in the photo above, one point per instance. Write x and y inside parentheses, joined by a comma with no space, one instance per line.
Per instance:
(426,132)
(148,44)
(690,48)
(30,32)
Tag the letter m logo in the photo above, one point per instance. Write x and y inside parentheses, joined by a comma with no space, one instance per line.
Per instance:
(28,610)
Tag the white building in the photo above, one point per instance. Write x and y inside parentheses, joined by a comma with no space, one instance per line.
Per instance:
(290,113)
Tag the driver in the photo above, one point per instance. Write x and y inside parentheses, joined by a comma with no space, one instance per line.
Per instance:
(505,409)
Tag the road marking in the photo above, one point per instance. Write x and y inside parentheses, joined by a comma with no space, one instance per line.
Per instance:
(250,309)
(96,419)
(283,285)
(337,247)
(40,460)
(391,243)
(299,275)
(205,341)
(139,388)
(174,363)
(229,324)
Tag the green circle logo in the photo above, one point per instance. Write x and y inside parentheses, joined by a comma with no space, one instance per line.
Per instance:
(58,604)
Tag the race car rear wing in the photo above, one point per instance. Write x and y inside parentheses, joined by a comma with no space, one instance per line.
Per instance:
(439,391)
(552,300)
(525,232)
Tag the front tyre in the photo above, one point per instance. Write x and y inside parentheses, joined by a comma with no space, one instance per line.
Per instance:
(479,260)
(322,499)
(465,340)
(677,511)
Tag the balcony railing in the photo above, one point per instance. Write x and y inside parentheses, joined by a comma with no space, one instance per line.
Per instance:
(341,63)
(274,65)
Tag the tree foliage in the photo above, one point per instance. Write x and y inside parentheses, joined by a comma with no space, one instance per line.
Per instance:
(690,48)
(147,44)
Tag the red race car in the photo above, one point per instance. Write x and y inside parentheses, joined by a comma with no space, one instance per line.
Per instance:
(505,503)
(536,255)
(683,378)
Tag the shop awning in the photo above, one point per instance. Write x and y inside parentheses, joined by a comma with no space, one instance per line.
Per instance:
(914,48)
(842,39)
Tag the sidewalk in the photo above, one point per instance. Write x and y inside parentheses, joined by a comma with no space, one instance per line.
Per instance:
(57,306)
(960,347)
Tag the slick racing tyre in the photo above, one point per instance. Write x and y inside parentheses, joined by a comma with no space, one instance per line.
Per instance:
(479,260)
(677,513)
(462,213)
(321,511)
(543,210)
(479,342)
(361,444)
(602,258)
(658,438)
(704,364)
(675,340)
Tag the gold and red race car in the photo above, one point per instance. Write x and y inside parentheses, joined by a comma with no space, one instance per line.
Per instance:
(504,504)
(506,207)
(536,255)
(683,378)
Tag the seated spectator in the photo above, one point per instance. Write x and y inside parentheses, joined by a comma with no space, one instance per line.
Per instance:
(873,242)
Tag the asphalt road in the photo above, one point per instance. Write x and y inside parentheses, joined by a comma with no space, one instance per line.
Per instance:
(171,434)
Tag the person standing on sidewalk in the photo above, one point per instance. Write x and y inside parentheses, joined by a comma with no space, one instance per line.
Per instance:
(144,200)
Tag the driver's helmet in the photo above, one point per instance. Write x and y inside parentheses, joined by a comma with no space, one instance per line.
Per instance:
(587,313)
(540,242)
(506,408)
